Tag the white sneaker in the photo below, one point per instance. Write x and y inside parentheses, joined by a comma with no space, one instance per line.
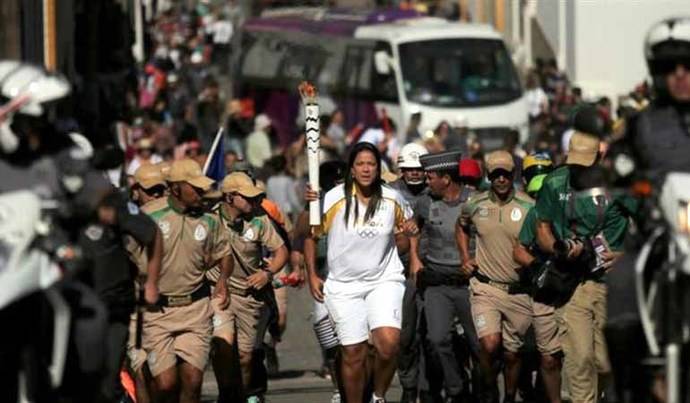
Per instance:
(336,397)
(376,399)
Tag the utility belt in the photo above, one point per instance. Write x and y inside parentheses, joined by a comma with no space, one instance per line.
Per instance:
(431,278)
(512,288)
(184,300)
(263,294)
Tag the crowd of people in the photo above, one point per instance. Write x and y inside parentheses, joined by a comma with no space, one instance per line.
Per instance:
(451,210)
(478,262)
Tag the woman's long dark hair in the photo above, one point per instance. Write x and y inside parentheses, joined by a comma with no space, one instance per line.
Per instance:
(376,194)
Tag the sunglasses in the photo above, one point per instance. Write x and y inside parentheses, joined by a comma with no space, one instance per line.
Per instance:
(664,67)
(497,173)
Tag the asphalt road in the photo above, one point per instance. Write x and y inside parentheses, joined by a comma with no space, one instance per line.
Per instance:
(300,361)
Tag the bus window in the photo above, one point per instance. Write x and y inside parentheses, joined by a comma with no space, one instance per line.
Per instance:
(359,76)
(458,72)
(262,54)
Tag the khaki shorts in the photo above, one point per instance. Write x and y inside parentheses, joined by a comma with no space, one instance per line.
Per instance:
(239,318)
(495,311)
(136,356)
(183,332)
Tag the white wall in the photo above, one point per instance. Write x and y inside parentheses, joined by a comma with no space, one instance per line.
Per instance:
(609,40)
(547,15)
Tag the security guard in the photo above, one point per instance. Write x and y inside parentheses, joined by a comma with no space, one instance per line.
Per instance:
(528,254)
(583,227)
(501,306)
(250,283)
(438,266)
(149,186)
(535,167)
(177,337)
(412,185)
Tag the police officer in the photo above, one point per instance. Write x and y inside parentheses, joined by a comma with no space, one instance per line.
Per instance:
(438,266)
(501,306)
(250,234)
(657,140)
(149,186)
(412,185)
(89,220)
(583,226)
(177,337)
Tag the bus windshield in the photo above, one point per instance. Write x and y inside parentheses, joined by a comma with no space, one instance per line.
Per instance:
(458,72)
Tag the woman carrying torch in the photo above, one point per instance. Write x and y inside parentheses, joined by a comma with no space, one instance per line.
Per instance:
(365,222)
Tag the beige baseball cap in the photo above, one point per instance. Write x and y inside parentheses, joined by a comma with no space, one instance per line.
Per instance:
(583,149)
(149,175)
(239,182)
(187,170)
(500,160)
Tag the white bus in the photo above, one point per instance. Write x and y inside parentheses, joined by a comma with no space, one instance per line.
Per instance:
(393,60)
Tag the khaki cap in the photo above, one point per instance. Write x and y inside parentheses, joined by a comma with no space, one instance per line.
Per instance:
(165,168)
(188,170)
(583,149)
(499,160)
(149,175)
(239,182)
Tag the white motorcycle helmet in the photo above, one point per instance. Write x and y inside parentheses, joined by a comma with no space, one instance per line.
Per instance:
(409,156)
(666,45)
(26,89)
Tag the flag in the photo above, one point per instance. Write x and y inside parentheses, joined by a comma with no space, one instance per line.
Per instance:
(214,167)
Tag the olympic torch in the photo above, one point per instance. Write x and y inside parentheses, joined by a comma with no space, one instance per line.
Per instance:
(311,113)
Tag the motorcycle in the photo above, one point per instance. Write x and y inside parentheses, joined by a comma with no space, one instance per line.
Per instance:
(662,290)
(28,275)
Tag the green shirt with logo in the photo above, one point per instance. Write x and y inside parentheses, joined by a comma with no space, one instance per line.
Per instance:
(580,213)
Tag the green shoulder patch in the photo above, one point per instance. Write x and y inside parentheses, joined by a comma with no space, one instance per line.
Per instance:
(156,215)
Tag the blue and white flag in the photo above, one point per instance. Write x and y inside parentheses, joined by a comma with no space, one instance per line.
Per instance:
(214,167)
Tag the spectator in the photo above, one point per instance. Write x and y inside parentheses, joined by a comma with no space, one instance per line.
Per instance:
(258,143)
(209,111)
(457,138)
(412,133)
(144,155)
(281,188)
(537,101)
(336,130)
(230,159)
(237,128)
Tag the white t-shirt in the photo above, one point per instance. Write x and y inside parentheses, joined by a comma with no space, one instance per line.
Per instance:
(222,32)
(137,162)
(535,99)
(363,251)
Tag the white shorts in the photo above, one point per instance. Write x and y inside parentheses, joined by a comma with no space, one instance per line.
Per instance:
(357,308)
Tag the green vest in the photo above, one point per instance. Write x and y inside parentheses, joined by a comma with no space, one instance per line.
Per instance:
(581,213)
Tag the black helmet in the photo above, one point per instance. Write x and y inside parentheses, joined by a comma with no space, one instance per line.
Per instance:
(666,45)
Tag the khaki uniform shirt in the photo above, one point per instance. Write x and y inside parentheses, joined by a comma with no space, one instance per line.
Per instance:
(190,245)
(247,242)
(136,252)
(497,227)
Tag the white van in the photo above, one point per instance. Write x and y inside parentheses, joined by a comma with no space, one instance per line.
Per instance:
(392,60)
